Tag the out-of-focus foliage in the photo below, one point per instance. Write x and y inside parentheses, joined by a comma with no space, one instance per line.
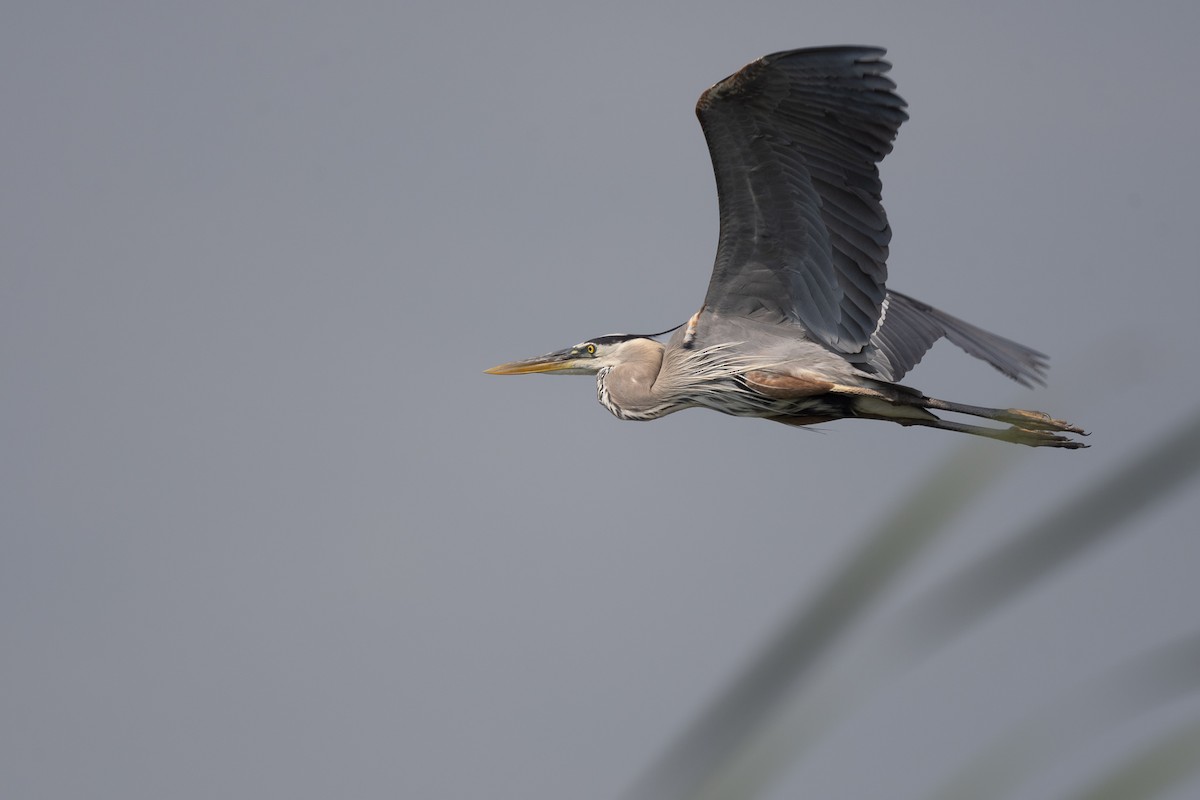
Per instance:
(804,682)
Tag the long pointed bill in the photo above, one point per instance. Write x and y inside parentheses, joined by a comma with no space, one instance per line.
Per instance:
(562,361)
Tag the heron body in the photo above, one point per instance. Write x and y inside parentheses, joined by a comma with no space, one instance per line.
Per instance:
(798,325)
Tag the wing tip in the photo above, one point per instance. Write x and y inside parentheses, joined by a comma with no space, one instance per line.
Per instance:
(869,56)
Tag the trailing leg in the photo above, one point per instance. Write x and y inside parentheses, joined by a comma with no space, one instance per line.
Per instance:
(1031,428)
(1032,420)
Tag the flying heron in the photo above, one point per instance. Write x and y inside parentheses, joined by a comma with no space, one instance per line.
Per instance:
(797,325)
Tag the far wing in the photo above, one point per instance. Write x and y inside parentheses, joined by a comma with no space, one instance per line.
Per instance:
(909,328)
(795,138)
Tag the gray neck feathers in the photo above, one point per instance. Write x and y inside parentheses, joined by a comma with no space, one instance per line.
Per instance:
(627,390)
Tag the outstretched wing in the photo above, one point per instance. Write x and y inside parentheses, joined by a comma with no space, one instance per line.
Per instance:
(795,138)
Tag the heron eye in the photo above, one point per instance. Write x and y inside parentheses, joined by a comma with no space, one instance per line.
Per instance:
(591,348)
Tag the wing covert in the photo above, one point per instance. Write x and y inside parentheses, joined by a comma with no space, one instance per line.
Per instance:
(795,138)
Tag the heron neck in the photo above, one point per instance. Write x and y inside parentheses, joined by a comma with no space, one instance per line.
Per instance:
(628,389)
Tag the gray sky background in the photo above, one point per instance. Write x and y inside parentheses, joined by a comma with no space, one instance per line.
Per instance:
(267,531)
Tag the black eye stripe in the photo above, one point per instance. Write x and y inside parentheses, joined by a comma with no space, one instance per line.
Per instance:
(616,338)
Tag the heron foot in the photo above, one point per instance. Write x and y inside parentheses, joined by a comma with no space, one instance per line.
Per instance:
(1036,420)
(1040,437)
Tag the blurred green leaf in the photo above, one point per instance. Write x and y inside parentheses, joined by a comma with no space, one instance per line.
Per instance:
(711,743)
(1053,541)
(1152,771)
(1148,681)
(761,724)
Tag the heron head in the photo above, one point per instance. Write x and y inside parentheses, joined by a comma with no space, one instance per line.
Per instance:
(585,358)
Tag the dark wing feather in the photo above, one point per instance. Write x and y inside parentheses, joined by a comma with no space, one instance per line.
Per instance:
(795,138)
(909,328)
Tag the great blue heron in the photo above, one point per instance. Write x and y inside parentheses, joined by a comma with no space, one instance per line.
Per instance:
(797,325)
